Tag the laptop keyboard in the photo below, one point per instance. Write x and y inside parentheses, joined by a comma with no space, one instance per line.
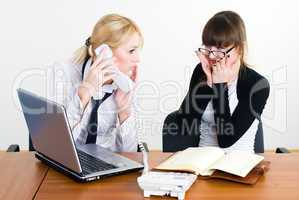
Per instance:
(90,164)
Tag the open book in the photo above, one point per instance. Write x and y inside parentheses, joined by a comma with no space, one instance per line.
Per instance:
(205,160)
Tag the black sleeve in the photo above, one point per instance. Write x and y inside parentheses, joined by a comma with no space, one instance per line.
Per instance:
(229,127)
(189,115)
(198,95)
(186,121)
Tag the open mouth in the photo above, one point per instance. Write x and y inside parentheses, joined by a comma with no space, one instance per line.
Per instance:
(212,62)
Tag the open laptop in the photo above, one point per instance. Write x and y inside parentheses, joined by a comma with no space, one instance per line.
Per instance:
(54,144)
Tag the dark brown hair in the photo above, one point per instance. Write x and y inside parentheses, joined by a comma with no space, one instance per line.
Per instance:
(224,29)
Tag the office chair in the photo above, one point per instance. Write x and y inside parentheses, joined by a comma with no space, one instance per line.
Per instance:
(177,141)
(16,147)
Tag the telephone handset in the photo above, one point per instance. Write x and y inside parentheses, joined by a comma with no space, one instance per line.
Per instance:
(123,81)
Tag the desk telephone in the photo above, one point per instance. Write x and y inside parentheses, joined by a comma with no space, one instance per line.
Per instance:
(174,184)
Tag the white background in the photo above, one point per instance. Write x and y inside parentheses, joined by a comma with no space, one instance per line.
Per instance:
(36,33)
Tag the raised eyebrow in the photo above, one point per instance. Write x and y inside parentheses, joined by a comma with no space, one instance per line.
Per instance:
(134,47)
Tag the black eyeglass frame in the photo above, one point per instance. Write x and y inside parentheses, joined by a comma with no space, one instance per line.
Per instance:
(224,53)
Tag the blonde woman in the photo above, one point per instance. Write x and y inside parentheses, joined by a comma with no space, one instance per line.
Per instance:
(108,121)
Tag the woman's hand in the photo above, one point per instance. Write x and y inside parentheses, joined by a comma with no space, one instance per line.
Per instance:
(100,72)
(206,68)
(225,71)
(123,100)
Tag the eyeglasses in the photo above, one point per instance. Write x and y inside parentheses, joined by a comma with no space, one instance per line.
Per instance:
(217,53)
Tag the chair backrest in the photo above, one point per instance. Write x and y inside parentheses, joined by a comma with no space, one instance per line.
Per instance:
(175,140)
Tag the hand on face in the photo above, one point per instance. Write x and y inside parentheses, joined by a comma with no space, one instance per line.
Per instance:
(225,70)
(134,74)
(222,70)
(206,68)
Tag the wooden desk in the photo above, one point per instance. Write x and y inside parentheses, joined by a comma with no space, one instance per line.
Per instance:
(57,186)
(23,177)
(281,182)
(20,175)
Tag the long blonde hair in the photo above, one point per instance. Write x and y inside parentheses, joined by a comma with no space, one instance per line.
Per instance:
(113,30)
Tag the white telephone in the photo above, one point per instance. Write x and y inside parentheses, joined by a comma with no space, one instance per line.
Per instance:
(174,184)
(122,81)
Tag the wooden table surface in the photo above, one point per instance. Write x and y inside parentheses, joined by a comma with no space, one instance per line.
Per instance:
(24,177)
(20,175)
(280,182)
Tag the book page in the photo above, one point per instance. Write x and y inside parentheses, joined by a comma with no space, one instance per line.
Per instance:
(239,163)
(196,159)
